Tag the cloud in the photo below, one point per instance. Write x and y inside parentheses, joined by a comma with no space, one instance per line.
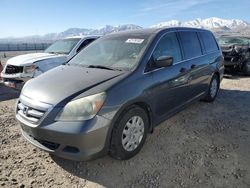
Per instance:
(171,7)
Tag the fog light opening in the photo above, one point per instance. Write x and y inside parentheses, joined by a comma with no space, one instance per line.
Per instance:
(70,149)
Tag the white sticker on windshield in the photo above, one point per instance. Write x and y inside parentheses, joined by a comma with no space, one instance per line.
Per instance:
(135,41)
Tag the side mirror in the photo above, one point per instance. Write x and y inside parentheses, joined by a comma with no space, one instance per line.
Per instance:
(163,61)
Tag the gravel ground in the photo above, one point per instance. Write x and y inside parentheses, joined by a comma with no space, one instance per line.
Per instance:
(205,145)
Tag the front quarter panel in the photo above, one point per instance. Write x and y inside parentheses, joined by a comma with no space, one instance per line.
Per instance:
(131,90)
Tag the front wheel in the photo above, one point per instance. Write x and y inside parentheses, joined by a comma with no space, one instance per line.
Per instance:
(129,133)
(213,89)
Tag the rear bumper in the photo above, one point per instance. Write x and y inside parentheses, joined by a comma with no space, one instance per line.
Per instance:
(71,140)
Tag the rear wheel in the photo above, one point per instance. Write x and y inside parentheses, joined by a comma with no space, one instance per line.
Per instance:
(246,68)
(129,133)
(213,89)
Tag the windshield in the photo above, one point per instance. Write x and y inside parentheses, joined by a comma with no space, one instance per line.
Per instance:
(116,52)
(62,46)
(234,40)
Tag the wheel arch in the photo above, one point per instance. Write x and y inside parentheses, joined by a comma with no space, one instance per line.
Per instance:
(146,107)
(217,73)
(139,103)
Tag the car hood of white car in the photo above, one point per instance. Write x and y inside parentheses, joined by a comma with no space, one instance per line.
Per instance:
(26,59)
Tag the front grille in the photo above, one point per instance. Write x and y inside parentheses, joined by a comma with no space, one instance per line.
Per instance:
(47,144)
(31,111)
(11,69)
(28,113)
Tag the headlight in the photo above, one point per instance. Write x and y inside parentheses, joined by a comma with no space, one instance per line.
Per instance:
(30,69)
(82,109)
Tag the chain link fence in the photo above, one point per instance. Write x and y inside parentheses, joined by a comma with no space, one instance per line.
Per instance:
(23,46)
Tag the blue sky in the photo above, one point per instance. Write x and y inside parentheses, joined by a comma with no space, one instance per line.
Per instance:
(35,17)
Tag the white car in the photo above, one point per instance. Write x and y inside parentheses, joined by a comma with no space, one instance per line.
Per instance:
(21,68)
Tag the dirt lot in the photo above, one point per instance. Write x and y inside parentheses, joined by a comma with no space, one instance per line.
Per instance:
(206,145)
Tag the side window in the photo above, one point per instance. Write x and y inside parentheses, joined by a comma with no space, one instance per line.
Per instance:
(208,41)
(191,44)
(168,46)
(84,44)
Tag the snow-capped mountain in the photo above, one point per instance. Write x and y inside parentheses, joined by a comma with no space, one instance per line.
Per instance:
(111,29)
(217,25)
(72,32)
(209,23)
(100,31)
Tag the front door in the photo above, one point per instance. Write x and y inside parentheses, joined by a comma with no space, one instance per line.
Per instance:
(170,89)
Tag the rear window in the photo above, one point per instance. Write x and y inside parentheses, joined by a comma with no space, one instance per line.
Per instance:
(190,43)
(209,41)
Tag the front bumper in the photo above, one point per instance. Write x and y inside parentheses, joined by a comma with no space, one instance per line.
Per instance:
(70,140)
(15,81)
(15,84)
(230,63)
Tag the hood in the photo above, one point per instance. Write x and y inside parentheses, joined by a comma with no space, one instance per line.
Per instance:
(65,81)
(25,59)
(227,47)
(230,47)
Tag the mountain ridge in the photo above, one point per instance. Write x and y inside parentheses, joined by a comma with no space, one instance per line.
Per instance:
(208,23)
(215,24)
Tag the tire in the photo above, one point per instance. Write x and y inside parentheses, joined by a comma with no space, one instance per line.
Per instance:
(246,68)
(118,148)
(213,89)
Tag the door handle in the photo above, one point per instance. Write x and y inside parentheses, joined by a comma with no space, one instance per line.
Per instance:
(183,70)
(193,66)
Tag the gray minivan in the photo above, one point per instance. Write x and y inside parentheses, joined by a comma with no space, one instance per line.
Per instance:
(115,91)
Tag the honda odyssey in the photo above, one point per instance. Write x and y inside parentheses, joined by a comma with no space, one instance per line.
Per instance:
(116,90)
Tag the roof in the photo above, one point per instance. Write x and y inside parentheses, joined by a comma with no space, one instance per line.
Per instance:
(149,31)
(83,36)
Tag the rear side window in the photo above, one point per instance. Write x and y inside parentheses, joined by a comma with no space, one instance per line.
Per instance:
(191,44)
(209,41)
(168,46)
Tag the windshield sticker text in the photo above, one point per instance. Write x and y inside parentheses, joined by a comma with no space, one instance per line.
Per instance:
(135,41)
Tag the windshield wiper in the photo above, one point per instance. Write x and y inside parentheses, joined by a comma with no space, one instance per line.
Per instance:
(103,67)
